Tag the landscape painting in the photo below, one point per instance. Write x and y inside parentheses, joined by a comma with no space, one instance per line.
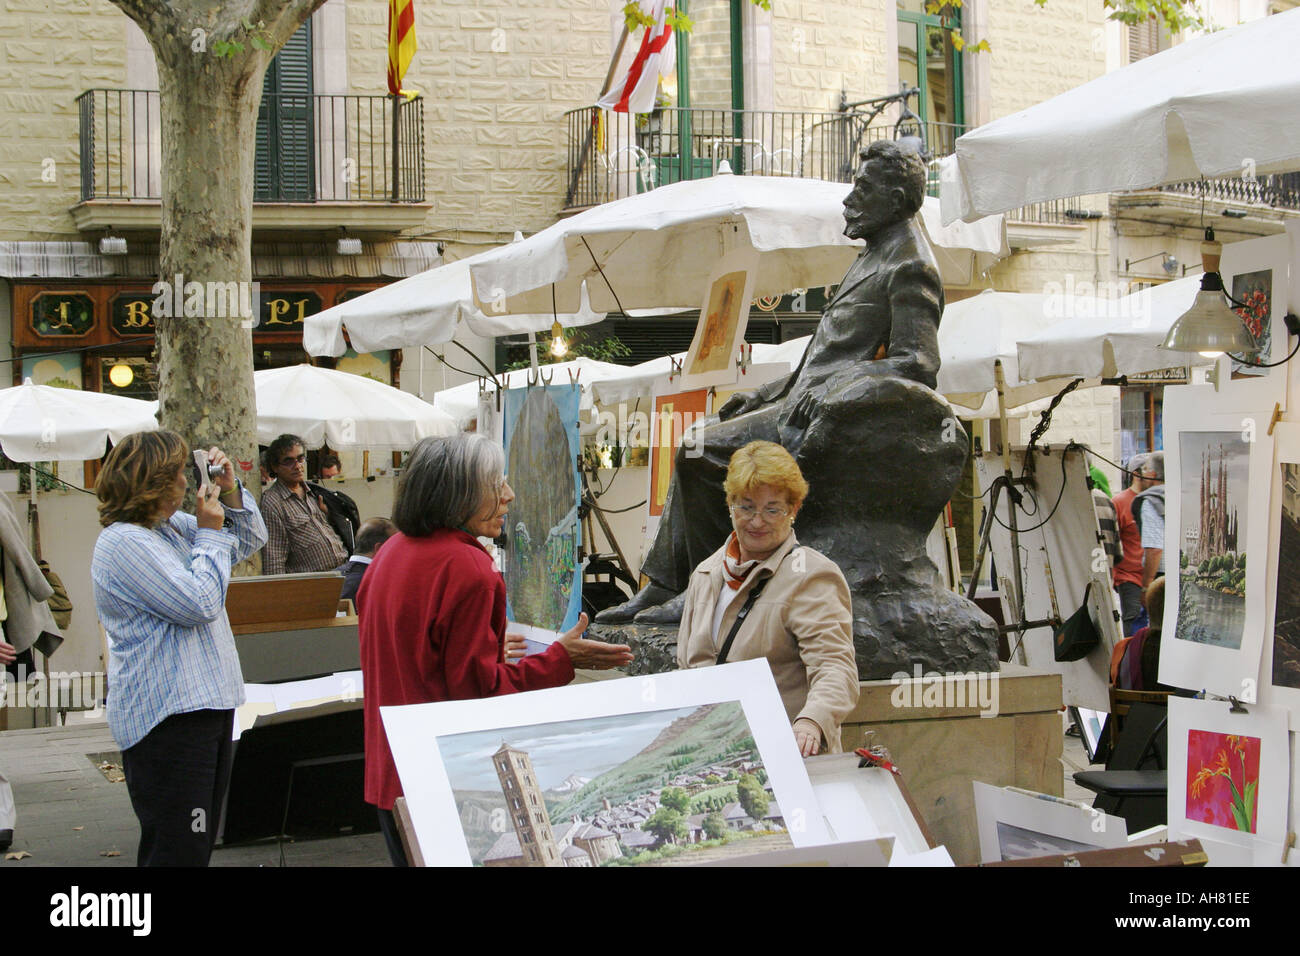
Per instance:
(543,577)
(671,786)
(1215,487)
(1223,779)
(1286,617)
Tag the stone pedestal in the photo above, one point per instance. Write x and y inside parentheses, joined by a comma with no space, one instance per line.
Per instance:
(937,738)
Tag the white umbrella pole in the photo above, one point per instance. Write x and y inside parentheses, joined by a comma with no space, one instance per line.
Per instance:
(532,350)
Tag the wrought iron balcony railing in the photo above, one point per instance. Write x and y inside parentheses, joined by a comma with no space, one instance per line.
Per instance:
(322,148)
(1281,191)
(611,155)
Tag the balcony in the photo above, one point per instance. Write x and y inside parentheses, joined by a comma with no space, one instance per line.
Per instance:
(322,162)
(1238,207)
(611,155)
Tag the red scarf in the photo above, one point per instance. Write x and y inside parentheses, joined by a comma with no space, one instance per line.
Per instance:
(734,571)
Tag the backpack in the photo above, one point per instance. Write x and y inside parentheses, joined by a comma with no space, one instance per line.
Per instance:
(343,513)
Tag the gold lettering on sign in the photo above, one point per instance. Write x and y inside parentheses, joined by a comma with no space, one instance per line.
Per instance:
(137,315)
(278,308)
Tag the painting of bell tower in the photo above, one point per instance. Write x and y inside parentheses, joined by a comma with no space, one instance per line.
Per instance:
(526,807)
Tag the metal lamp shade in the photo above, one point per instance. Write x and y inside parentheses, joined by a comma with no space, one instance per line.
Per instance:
(1209,326)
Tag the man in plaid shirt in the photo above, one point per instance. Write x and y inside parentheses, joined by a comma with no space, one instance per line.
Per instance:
(300,537)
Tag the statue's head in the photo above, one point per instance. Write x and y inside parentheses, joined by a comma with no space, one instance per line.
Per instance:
(889,187)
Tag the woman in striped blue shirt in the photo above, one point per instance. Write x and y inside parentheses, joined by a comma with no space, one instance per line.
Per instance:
(174,681)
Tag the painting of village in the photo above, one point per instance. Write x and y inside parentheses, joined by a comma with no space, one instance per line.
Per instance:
(1286,619)
(1215,473)
(664,787)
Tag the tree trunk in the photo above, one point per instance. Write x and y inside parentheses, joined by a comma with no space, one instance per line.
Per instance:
(205,361)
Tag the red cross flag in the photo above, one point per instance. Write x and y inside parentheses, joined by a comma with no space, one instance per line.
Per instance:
(635,92)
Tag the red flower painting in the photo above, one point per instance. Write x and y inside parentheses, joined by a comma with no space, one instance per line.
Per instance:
(1223,779)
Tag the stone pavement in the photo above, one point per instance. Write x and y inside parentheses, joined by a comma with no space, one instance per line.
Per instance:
(71,814)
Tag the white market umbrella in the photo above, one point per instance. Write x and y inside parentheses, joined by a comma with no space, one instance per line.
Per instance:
(460,402)
(976,333)
(964,251)
(44,423)
(639,381)
(1222,104)
(325,406)
(657,249)
(423,309)
(1106,338)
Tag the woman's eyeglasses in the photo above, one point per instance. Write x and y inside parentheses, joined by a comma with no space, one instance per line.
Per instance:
(770,514)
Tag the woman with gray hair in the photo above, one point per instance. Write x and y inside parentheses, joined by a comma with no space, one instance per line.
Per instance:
(433,606)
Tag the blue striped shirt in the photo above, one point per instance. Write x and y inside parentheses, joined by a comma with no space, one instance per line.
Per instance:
(161,596)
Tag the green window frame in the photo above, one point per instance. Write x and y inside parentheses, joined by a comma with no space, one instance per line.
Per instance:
(284,167)
(929,35)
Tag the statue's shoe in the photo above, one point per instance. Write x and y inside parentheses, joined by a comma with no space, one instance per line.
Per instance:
(670,612)
(650,596)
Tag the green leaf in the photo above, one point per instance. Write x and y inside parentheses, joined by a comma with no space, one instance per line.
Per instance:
(247,23)
(260,42)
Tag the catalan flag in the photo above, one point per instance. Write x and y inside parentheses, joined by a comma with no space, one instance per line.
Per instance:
(401,41)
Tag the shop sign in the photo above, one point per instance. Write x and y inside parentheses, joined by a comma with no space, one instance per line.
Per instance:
(62,314)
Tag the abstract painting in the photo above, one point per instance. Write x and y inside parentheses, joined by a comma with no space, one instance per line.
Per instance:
(673,414)
(724,314)
(665,769)
(717,330)
(1223,779)
(543,577)
(1215,488)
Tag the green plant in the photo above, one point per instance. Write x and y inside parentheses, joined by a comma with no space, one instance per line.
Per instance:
(257,36)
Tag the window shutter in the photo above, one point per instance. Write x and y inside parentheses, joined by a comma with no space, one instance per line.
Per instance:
(1143,39)
(284,166)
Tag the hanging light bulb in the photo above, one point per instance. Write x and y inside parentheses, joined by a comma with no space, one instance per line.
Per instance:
(559,347)
(121,375)
(1209,327)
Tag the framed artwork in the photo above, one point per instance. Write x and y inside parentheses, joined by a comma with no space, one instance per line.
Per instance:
(674,413)
(1216,545)
(1019,824)
(61,370)
(1257,273)
(711,359)
(1229,778)
(543,534)
(697,764)
(1279,673)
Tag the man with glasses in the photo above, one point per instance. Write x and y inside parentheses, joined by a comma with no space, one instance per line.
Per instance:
(300,536)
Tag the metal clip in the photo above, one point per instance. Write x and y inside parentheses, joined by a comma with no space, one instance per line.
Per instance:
(746,357)
(1235,706)
(676,367)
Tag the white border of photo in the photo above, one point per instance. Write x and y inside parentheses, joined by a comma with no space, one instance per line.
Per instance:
(1221,670)
(413,733)
(1230,847)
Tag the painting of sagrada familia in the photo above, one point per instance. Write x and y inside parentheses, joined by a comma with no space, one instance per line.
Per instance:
(1214,487)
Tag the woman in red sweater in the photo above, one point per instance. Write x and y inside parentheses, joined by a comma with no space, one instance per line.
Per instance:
(433,606)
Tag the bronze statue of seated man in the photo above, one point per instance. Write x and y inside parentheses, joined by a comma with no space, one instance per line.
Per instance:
(881,451)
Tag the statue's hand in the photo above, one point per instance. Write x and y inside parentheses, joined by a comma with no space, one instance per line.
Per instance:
(740,403)
(804,411)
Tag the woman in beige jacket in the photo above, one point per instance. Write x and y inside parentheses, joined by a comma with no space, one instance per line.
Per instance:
(801,620)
